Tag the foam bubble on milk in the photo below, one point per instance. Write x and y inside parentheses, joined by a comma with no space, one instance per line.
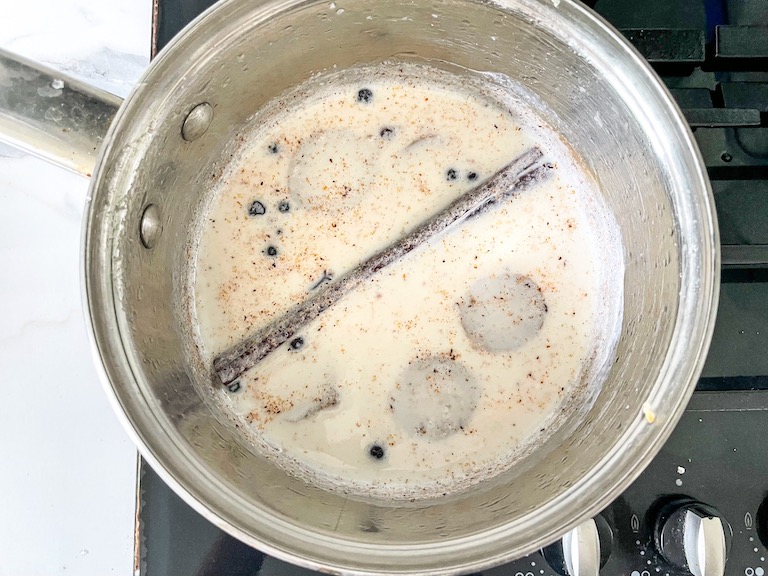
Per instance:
(401,389)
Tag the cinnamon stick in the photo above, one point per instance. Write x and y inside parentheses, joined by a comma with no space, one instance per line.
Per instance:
(520,174)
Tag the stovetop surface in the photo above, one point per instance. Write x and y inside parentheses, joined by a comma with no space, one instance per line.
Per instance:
(713,55)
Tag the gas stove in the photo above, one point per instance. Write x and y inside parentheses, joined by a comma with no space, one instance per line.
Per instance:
(701,507)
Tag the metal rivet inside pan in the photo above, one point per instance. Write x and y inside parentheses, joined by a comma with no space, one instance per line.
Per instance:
(197,122)
(150,226)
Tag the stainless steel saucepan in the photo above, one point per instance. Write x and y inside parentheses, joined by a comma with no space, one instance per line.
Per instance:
(157,153)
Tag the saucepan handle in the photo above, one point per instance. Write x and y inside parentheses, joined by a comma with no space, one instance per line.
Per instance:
(47,114)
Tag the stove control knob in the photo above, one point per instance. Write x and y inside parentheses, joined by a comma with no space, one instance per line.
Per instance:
(694,537)
(582,551)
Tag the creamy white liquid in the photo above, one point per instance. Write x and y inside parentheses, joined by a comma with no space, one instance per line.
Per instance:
(446,365)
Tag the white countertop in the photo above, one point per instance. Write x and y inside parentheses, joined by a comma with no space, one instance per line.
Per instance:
(69,471)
